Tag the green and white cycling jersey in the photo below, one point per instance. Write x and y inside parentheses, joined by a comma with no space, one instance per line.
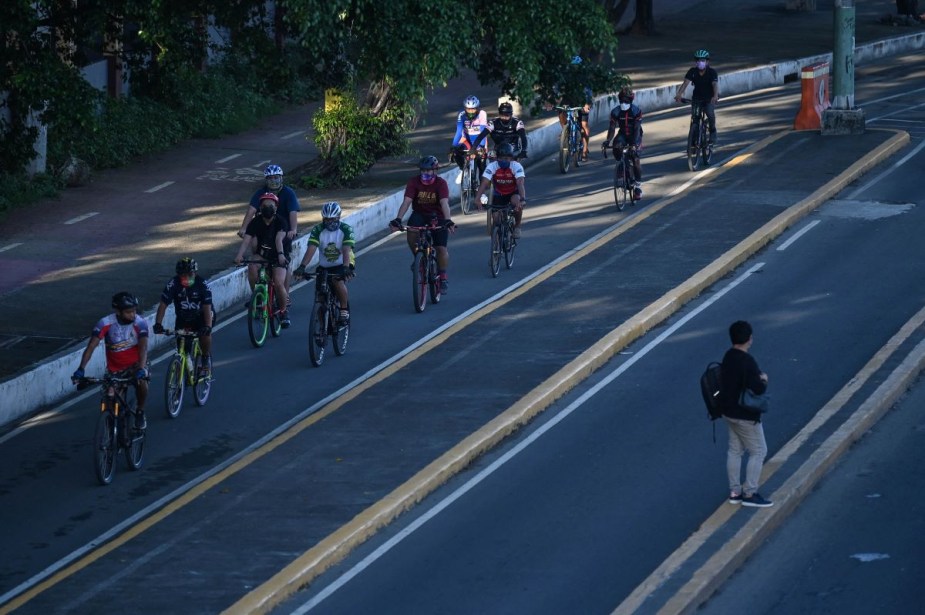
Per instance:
(330,243)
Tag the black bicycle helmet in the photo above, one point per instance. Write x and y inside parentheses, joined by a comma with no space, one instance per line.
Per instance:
(124,300)
(187,265)
(505,108)
(505,149)
(429,163)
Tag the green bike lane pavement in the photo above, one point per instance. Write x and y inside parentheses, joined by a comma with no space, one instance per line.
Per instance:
(282,513)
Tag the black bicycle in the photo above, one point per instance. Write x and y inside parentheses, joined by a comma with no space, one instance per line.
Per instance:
(502,237)
(424,277)
(623,187)
(115,428)
(699,148)
(325,320)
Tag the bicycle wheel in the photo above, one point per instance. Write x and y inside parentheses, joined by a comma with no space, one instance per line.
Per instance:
(576,147)
(706,152)
(466,196)
(258,322)
(693,148)
(202,384)
(173,387)
(104,448)
(419,282)
(341,333)
(565,156)
(276,321)
(494,261)
(509,243)
(317,334)
(620,193)
(433,279)
(133,441)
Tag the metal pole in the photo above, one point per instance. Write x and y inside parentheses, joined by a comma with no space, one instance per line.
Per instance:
(843,56)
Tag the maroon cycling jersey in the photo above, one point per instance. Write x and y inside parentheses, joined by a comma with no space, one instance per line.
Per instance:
(425,198)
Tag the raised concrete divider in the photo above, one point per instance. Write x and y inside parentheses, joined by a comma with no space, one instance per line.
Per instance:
(50,382)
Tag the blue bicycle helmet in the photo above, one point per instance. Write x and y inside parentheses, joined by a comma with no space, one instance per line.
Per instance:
(274,177)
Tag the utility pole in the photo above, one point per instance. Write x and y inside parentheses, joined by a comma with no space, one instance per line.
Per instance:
(843,118)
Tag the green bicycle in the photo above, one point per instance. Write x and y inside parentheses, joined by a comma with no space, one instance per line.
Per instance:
(186,369)
(263,315)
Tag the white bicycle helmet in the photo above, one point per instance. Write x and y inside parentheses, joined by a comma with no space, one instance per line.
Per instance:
(472,103)
(274,177)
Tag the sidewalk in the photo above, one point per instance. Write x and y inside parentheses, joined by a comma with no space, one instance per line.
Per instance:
(190,200)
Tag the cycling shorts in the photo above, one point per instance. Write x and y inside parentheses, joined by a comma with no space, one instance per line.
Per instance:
(441,235)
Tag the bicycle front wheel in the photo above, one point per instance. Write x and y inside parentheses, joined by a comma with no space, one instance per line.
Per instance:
(494,261)
(419,282)
(433,279)
(276,321)
(466,196)
(341,333)
(693,148)
(620,192)
(104,448)
(133,439)
(173,387)
(258,321)
(706,152)
(565,155)
(203,384)
(509,243)
(317,334)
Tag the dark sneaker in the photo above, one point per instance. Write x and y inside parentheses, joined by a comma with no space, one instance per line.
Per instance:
(141,423)
(735,498)
(284,319)
(343,318)
(756,500)
(444,286)
(637,193)
(516,232)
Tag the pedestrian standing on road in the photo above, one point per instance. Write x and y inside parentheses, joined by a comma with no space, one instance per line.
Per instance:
(428,196)
(192,301)
(706,88)
(125,334)
(746,434)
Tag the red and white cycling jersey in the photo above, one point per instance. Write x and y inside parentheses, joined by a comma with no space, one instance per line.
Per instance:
(505,180)
(121,341)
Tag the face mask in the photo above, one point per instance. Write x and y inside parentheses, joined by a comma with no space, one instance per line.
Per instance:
(701,65)
(625,106)
(274,182)
(504,164)
(267,212)
(428,177)
(187,280)
(331,223)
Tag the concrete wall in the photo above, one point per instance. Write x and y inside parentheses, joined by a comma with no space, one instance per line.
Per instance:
(50,382)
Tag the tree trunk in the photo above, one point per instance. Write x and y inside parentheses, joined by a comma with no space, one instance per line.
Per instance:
(379,97)
(644,22)
(615,10)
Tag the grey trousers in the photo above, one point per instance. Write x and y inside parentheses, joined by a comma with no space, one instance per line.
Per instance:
(745,437)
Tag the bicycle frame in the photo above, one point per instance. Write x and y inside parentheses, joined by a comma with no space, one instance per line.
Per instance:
(570,145)
(502,237)
(698,149)
(183,371)
(623,191)
(113,430)
(324,319)
(263,315)
(471,177)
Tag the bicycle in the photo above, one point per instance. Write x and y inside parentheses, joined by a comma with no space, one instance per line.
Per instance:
(115,428)
(185,370)
(699,149)
(424,277)
(570,145)
(325,318)
(263,315)
(623,187)
(502,237)
(470,179)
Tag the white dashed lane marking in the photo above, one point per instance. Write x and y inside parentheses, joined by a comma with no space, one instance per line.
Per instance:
(227,158)
(159,187)
(10,247)
(293,134)
(81,218)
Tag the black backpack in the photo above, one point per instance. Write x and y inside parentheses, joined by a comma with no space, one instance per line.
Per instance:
(710,383)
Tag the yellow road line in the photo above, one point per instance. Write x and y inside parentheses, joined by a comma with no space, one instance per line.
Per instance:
(337,545)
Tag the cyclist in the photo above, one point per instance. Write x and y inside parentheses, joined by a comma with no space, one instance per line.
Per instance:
(265,235)
(333,240)
(508,178)
(706,88)
(428,196)
(125,333)
(576,91)
(469,124)
(626,122)
(192,302)
(287,207)
(505,129)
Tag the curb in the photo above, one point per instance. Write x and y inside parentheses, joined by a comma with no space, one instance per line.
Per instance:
(340,543)
(49,382)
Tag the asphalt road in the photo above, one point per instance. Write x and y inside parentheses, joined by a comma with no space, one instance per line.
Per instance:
(49,507)
(573,513)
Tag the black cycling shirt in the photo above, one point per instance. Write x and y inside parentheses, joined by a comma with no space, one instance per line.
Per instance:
(703,83)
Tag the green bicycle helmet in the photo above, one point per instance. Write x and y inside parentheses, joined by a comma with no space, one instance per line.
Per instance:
(701,54)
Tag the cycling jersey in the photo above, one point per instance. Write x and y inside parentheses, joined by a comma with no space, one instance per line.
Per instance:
(425,199)
(505,180)
(703,83)
(266,235)
(511,131)
(187,300)
(288,202)
(468,129)
(121,341)
(628,124)
(329,243)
